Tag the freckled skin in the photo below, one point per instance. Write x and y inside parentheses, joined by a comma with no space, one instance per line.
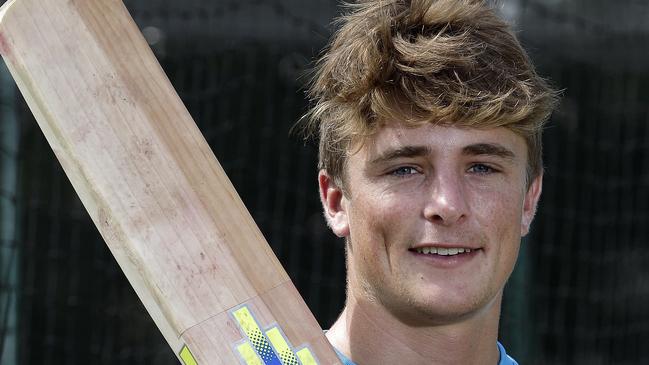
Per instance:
(443,196)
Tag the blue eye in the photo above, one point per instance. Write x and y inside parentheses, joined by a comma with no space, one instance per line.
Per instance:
(404,171)
(481,169)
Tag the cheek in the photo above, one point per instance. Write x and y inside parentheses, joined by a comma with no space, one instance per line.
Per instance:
(367,222)
(501,213)
(500,204)
(378,224)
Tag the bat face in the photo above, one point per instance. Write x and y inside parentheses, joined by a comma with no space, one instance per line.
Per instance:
(153,187)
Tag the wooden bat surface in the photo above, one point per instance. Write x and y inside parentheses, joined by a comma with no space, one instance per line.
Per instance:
(153,187)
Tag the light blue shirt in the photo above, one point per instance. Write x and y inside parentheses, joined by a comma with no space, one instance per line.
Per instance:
(504,358)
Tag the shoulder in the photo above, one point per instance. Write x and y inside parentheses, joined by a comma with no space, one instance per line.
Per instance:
(504,358)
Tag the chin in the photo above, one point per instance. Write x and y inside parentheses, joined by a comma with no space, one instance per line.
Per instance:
(433,311)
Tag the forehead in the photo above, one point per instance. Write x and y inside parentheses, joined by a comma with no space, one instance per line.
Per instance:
(440,139)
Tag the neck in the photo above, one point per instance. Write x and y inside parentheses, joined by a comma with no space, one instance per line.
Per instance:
(368,334)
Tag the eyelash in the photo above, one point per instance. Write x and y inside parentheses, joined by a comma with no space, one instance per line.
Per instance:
(399,171)
(489,169)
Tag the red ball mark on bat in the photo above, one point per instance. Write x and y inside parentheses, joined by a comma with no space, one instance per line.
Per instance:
(4,46)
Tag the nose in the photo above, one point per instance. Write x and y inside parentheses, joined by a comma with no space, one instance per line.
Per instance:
(447,203)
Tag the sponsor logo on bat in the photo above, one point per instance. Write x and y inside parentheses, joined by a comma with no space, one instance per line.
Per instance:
(268,346)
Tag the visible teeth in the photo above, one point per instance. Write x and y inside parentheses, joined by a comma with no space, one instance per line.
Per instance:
(443,251)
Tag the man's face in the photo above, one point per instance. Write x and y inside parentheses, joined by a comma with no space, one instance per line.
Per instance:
(433,217)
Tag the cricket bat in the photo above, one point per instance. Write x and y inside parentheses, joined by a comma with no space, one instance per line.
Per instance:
(153,187)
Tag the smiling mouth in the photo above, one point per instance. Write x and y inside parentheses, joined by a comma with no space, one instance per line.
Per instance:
(441,251)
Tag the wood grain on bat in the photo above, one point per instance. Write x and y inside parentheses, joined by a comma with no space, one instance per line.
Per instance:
(147,177)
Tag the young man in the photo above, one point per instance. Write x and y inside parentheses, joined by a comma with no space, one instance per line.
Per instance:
(429,115)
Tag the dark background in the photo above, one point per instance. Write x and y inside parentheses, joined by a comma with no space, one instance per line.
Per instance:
(580,291)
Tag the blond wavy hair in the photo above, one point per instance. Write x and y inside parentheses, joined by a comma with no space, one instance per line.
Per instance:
(447,62)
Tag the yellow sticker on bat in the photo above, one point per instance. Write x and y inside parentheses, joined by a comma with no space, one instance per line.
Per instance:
(187,356)
(281,346)
(248,354)
(306,357)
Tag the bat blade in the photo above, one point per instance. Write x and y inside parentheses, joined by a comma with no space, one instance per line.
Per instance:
(153,187)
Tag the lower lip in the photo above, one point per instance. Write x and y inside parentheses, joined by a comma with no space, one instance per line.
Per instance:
(449,261)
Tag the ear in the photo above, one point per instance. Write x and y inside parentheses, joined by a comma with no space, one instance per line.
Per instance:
(334,204)
(529,205)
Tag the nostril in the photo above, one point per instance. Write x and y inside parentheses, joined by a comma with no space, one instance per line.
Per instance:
(444,218)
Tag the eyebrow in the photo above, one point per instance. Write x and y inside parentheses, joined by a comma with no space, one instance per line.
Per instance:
(492,149)
(478,149)
(405,151)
